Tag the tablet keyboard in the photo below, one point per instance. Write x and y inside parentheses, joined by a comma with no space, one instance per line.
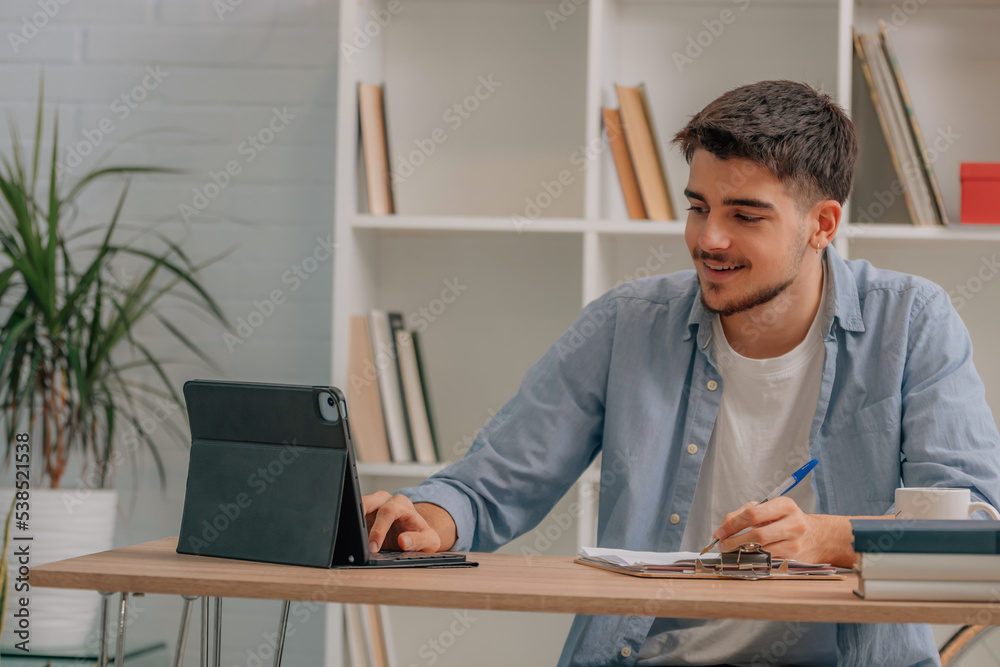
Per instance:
(406,555)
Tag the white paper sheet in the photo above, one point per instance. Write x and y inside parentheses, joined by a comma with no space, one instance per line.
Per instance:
(631,558)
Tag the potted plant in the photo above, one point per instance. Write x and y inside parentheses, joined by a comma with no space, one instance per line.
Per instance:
(77,381)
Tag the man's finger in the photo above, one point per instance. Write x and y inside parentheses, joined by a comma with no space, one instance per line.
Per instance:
(734,522)
(387,515)
(419,540)
(373,501)
(751,515)
(766,535)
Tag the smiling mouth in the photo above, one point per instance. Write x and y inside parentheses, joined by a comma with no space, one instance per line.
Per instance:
(716,269)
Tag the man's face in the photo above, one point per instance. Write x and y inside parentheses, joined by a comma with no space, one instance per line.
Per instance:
(744,232)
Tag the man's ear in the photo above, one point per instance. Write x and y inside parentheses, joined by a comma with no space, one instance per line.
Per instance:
(826,217)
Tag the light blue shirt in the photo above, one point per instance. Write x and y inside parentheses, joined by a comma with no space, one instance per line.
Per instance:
(634,378)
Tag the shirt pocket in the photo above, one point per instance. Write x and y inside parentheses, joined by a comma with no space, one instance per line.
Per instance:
(880,416)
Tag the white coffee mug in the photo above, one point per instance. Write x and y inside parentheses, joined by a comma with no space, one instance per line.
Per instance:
(938,503)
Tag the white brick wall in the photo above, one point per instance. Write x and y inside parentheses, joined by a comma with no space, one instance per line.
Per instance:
(222,79)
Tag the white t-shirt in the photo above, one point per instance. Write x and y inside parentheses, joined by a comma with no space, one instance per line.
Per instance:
(761,436)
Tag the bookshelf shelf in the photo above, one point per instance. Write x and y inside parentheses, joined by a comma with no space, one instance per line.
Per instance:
(557,64)
(904,231)
(449,224)
(472,224)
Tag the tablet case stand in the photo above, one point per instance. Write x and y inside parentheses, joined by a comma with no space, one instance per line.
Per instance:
(250,498)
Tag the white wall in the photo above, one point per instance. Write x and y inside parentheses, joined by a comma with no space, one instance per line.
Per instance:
(221,78)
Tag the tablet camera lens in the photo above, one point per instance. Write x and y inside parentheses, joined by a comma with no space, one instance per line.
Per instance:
(329,401)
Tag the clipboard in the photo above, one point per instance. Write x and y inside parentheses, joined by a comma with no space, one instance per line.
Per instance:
(748,562)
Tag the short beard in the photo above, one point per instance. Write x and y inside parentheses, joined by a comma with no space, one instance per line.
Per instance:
(751,301)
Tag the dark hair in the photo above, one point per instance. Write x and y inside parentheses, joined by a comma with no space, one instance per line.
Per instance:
(797,133)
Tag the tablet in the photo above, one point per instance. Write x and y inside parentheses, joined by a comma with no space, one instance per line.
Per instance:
(272,477)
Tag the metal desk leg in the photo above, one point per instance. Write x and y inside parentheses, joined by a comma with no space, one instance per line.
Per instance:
(122,614)
(204,632)
(281,633)
(102,654)
(183,633)
(218,633)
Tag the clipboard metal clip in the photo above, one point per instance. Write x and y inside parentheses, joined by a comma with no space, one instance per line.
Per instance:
(747,561)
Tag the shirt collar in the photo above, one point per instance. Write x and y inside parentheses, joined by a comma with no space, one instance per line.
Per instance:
(842,302)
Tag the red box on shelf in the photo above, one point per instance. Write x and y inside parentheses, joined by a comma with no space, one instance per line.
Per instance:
(980,192)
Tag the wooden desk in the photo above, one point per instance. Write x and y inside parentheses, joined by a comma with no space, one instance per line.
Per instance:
(502,581)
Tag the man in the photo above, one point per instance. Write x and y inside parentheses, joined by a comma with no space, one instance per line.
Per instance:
(705,389)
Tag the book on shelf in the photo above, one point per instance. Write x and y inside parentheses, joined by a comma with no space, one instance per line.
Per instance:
(396,325)
(643,146)
(623,164)
(416,410)
(425,390)
(898,122)
(388,397)
(389,387)
(367,422)
(911,116)
(374,146)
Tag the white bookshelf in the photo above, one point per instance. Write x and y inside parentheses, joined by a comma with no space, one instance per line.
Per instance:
(457,213)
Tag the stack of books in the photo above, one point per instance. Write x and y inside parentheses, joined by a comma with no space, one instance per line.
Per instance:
(927,559)
(387,392)
(910,158)
(636,152)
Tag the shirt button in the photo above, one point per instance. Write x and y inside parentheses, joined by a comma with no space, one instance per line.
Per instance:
(692,448)
(626,651)
(675,518)
(712,385)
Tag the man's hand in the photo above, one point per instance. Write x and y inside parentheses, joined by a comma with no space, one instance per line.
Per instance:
(782,528)
(396,523)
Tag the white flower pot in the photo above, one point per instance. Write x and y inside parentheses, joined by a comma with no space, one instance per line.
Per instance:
(60,619)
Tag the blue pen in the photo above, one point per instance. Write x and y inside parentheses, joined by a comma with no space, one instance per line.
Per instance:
(780,490)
